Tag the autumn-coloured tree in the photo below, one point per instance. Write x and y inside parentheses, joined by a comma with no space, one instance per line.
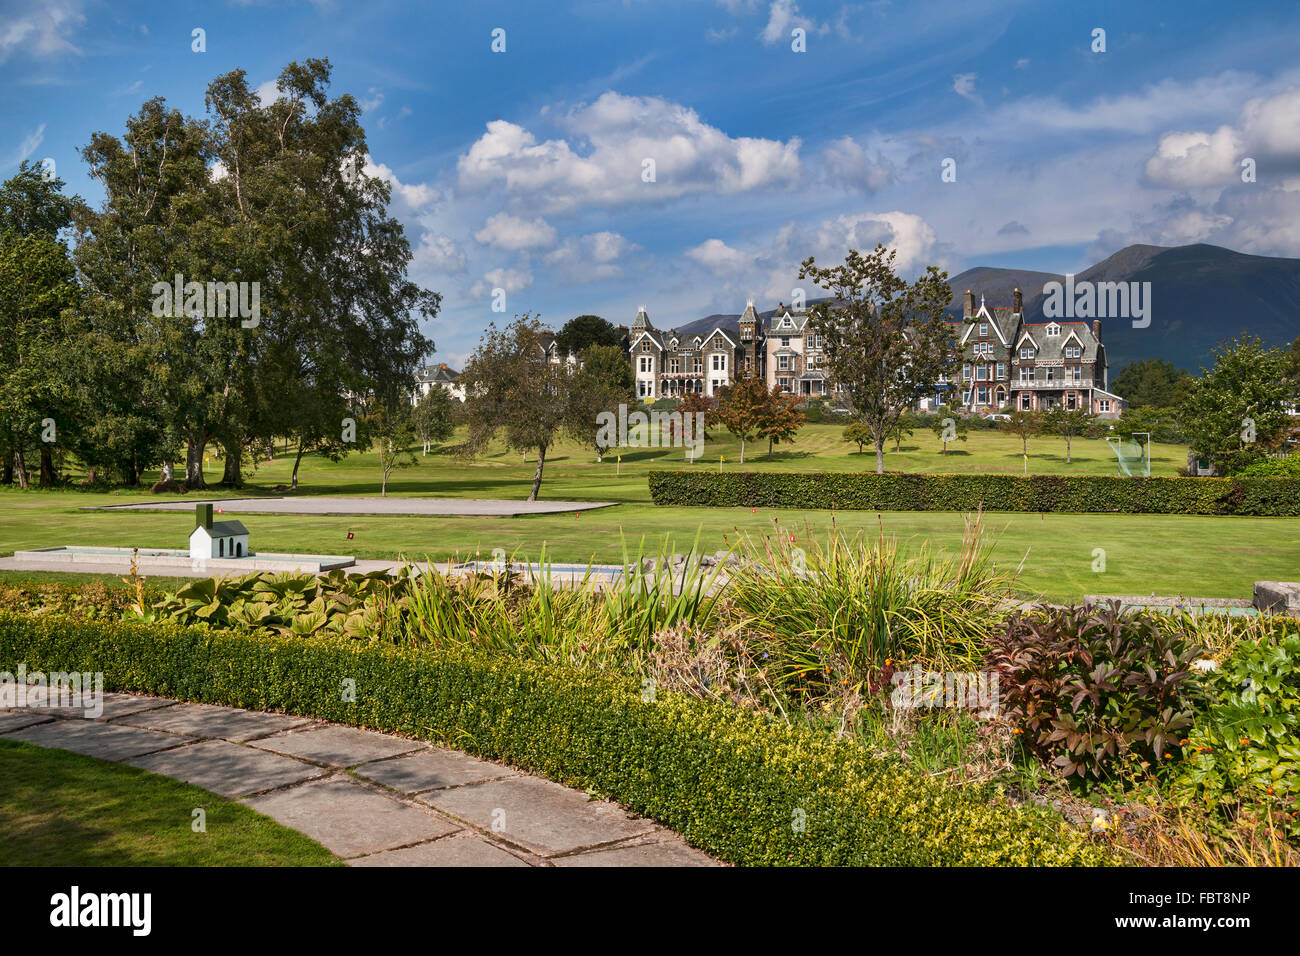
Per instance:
(744,407)
(783,419)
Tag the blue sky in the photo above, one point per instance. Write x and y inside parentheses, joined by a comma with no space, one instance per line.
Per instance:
(522,170)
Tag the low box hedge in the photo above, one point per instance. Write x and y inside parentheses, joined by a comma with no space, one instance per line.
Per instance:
(916,492)
(733,783)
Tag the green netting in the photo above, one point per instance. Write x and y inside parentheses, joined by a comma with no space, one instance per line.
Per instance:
(1132,456)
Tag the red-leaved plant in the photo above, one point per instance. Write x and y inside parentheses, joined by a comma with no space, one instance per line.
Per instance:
(1092,690)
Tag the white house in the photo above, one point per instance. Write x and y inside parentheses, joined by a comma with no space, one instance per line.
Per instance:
(219,539)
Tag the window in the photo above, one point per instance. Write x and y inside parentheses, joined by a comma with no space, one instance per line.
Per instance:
(647,364)
(719,363)
(982,373)
(1053,330)
(645,345)
(1002,370)
(784,383)
(1072,351)
(984,329)
(785,341)
(983,395)
(1103,404)
(1050,373)
(1026,374)
(1071,400)
(965,373)
(674,365)
(783,362)
(1024,401)
(1026,353)
(698,365)
(221,547)
(1074,373)
(965,396)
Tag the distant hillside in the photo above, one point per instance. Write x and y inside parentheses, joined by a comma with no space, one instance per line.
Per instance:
(1201,295)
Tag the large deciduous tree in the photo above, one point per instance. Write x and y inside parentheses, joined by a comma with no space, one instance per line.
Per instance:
(38,341)
(513,389)
(268,193)
(886,339)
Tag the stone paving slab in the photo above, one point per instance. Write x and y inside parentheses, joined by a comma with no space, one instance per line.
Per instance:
(672,852)
(17,719)
(349,817)
(112,704)
(211,720)
(431,770)
(463,849)
(541,816)
(339,746)
(228,769)
(97,739)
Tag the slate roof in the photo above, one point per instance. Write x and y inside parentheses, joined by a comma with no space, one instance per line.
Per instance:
(1051,349)
(225,529)
(437,373)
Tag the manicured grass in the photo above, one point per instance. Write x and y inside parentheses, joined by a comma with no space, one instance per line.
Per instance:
(1163,554)
(59,808)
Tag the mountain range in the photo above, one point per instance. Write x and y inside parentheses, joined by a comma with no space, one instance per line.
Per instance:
(1200,296)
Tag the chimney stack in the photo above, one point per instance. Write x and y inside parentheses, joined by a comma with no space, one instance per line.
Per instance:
(970,304)
(203,516)
(1017,302)
(1096,329)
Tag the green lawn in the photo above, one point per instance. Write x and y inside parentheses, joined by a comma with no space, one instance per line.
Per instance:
(1164,554)
(59,808)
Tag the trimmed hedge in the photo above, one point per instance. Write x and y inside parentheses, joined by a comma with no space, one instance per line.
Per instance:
(731,782)
(915,492)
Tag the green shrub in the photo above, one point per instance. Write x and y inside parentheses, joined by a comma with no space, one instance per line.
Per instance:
(1244,751)
(1097,693)
(734,783)
(916,492)
(1288,467)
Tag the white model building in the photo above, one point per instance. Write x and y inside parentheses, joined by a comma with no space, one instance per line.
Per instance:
(219,539)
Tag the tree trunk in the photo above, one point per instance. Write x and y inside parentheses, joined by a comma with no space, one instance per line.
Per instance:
(230,477)
(7,478)
(296,462)
(47,466)
(20,468)
(90,476)
(537,475)
(194,464)
(880,456)
(769,449)
(1067,449)
(742,449)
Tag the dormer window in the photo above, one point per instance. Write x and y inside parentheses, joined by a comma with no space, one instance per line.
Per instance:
(1072,351)
(1053,330)
(1027,352)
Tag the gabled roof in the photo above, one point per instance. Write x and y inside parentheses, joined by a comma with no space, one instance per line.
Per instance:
(223,529)
(437,373)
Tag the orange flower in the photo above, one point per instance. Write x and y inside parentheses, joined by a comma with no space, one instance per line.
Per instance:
(1245,740)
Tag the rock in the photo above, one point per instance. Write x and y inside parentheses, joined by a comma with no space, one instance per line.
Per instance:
(1278,597)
